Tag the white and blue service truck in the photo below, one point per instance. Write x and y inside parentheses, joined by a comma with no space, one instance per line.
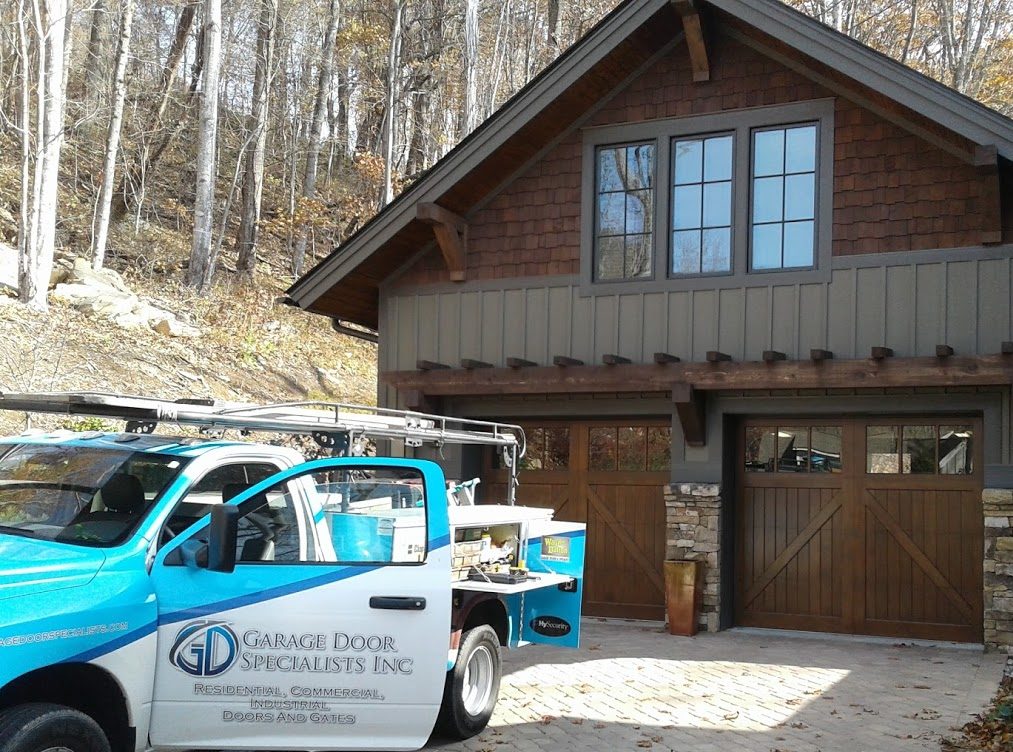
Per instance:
(171,593)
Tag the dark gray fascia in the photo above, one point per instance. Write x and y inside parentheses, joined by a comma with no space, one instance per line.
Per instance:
(946,106)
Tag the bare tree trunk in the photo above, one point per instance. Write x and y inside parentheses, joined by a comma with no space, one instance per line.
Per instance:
(141,165)
(201,269)
(393,64)
(101,233)
(552,31)
(93,63)
(253,179)
(51,27)
(910,31)
(309,186)
(470,117)
(26,233)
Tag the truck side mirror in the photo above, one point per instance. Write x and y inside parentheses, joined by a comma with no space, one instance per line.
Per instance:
(222,539)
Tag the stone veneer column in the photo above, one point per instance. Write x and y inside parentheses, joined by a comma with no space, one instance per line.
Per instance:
(694,534)
(998,508)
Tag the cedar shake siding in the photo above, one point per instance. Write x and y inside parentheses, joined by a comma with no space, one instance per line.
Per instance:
(893,191)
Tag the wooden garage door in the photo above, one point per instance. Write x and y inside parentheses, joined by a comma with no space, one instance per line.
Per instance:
(609,476)
(868,526)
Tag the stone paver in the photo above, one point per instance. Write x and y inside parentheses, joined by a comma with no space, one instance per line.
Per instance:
(632,687)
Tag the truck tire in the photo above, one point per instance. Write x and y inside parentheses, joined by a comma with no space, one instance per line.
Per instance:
(472,685)
(44,727)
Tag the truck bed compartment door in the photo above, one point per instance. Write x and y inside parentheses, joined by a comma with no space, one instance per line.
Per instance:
(551,615)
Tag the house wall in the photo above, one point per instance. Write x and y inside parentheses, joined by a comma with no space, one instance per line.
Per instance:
(893,191)
(910,302)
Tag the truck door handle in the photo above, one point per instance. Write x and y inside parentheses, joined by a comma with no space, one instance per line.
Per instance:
(397,603)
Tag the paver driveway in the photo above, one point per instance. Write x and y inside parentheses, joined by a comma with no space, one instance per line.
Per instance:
(634,687)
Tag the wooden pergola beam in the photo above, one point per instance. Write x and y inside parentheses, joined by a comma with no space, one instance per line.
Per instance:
(692,26)
(986,370)
(451,232)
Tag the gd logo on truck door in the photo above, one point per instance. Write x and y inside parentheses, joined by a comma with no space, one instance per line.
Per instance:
(205,648)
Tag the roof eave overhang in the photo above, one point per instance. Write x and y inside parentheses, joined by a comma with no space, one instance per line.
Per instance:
(954,111)
(938,102)
(491,135)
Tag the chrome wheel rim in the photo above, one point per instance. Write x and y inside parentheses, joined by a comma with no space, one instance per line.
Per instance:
(58,749)
(478,679)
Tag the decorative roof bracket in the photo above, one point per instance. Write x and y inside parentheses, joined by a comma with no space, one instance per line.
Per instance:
(692,25)
(451,235)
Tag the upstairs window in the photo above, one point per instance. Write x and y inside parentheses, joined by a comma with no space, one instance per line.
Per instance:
(784,198)
(729,199)
(624,216)
(702,205)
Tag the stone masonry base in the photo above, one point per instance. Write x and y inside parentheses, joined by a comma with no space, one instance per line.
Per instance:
(694,534)
(998,509)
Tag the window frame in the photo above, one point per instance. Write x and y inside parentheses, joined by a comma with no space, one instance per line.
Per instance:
(596,238)
(741,124)
(783,222)
(732,230)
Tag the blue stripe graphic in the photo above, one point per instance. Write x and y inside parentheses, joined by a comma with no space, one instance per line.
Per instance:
(264,595)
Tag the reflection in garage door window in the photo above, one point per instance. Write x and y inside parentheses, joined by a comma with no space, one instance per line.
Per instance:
(881,447)
(634,449)
(793,449)
(825,449)
(602,449)
(920,449)
(956,450)
(548,448)
(659,449)
(919,455)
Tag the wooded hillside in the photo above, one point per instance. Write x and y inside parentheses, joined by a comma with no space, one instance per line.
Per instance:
(201,145)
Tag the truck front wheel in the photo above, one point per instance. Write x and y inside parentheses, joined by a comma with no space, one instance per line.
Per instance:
(469,694)
(44,727)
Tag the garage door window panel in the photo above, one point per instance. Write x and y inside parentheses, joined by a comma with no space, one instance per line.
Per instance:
(548,448)
(914,449)
(793,449)
(659,449)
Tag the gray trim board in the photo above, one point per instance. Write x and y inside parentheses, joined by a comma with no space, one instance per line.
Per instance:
(998,476)
(932,256)
(720,282)
(741,123)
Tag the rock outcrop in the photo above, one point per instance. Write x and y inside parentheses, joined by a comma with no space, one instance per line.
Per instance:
(104,293)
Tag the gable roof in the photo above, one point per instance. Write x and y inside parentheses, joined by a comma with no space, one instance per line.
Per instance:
(345,285)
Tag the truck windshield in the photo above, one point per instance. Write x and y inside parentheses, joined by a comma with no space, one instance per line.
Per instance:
(77,494)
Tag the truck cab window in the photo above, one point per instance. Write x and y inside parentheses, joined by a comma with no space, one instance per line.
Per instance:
(210,490)
(269,527)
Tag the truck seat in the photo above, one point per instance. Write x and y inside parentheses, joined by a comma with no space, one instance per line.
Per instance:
(256,532)
(123,499)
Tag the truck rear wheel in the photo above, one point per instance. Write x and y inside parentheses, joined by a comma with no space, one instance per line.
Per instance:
(472,685)
(44,727)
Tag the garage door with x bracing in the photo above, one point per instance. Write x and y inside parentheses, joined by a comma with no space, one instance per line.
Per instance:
(609,476)
(861,525)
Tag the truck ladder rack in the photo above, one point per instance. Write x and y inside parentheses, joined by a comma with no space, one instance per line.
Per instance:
(317,419)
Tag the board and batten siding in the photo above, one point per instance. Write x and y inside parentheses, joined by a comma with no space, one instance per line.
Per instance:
(910,302)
